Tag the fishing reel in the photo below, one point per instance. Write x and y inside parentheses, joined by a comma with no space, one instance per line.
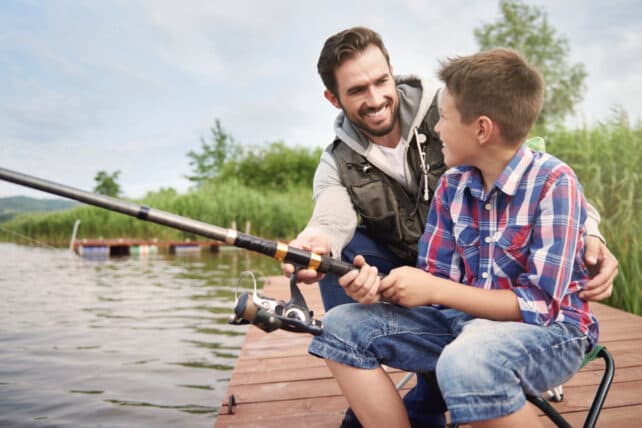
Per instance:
(270,314)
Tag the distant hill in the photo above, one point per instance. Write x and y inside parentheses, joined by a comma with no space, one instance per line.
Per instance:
(14,205)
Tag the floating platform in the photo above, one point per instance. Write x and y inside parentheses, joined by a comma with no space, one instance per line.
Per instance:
(276,383)
(126,247)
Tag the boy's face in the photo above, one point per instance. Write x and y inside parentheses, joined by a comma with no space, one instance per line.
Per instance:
(459,139)
(366,92)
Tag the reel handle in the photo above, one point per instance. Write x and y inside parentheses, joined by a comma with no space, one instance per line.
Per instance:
(246,311)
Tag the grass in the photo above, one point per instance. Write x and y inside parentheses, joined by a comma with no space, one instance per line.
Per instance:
(607,160)
(272,214)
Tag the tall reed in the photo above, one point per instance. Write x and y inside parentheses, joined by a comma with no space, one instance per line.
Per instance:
(607,158)
(271,214)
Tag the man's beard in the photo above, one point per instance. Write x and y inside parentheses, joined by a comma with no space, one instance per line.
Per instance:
(361,125)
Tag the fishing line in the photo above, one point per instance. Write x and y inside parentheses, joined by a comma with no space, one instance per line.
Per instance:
(28,238)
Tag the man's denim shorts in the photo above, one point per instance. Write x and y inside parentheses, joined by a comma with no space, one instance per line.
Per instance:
(483,367)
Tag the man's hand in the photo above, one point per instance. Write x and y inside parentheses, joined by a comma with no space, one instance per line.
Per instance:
(602,266)
(407,286)
(318,244)
(362,285)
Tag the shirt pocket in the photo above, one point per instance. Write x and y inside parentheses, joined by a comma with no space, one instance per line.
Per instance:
(467,239)
(514,243)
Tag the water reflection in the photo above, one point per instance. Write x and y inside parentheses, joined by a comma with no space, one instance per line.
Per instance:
(137,341)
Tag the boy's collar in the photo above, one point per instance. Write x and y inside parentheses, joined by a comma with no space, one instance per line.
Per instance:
(509,179)
(511,176)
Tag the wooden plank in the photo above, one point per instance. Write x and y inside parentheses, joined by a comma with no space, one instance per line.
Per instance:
(277,383)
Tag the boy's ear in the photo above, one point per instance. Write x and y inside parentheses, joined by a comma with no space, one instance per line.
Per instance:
(485,127)
(330,97)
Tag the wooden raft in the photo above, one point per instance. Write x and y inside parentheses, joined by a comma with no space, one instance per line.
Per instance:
(276,383)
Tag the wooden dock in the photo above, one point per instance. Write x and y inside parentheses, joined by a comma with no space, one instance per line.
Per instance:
(276,383)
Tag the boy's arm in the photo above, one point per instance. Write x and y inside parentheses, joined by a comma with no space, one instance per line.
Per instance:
(408,286)
(601,262)
(554,249)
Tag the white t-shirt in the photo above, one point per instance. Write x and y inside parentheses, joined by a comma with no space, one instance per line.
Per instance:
(395,158)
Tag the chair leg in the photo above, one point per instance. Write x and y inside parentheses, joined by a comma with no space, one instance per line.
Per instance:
(602,390)
(549,410)
(596,406)
(404,381)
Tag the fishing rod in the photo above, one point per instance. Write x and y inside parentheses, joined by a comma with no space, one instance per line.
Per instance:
(267,311)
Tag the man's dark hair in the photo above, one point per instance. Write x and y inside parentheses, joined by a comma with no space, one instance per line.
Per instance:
(342,46)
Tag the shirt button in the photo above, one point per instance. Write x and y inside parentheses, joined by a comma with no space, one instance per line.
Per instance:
(488,239)
(484,275)
(488,207)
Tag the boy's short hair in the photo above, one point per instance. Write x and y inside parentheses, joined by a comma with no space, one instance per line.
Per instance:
(342,46)
(499,84)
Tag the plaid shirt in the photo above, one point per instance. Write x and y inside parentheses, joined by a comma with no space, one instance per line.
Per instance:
(526,235)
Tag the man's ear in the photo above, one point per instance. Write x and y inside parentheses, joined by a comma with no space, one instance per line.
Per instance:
(484,129)
(330,97)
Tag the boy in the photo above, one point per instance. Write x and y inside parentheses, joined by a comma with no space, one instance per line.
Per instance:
(493,305)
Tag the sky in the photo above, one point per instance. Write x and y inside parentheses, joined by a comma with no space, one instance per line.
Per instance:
(133,85)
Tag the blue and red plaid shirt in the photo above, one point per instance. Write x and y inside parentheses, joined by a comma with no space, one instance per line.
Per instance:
(526,235)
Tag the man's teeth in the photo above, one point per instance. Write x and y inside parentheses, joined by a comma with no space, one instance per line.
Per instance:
(374,114)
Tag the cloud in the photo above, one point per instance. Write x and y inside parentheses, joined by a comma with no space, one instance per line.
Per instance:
(134,84)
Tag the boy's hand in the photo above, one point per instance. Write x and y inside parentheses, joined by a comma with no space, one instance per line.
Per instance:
(407,286)
(363,284)
(317,244)
(603,266)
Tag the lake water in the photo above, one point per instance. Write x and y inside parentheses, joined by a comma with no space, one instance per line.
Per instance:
(129,342)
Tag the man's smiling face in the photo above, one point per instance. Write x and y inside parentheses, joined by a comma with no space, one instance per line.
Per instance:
(367,93)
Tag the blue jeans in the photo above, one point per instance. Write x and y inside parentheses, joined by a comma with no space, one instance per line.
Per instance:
(484,368)
(424,403)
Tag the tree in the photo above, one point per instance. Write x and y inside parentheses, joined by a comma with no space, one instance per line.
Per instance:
(209,162)
(275,166)
(526,29)
(107,184)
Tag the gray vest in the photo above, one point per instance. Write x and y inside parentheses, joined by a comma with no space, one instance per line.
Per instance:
(389,212)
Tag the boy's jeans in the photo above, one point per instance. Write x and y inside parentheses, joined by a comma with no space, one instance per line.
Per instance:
(424,403)
(483,367)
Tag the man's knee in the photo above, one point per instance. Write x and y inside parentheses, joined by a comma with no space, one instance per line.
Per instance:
(332,293)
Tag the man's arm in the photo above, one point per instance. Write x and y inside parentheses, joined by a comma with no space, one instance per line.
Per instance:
(602,264)
(333,220)
(554,248)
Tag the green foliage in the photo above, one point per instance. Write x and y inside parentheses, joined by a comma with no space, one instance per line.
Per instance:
(207,163)
(526,29)
(276,166)
(273,214)
(107,184)
(267,188)
(607,160)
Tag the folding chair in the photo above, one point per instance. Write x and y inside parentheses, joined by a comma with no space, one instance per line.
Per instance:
(598,351)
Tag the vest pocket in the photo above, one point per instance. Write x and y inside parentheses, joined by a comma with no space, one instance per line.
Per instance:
(378,211)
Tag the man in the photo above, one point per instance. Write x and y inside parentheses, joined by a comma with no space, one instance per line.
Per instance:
(382,169)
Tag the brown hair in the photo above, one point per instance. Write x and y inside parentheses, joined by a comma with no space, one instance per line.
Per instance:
(499,84)
(344,45)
